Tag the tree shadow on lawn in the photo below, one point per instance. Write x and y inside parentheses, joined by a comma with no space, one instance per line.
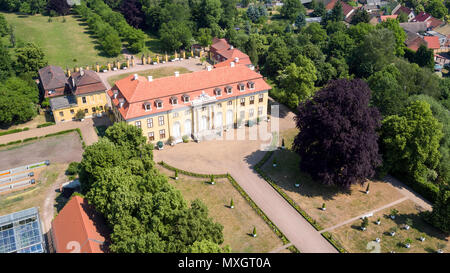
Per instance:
(419,223)
(289,174)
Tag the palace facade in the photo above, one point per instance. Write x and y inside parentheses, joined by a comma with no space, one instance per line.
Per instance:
(194,105)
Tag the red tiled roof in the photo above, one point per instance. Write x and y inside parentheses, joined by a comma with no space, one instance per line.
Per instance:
(385,17)
(243,61)
(422,17)
(219,44)
(346,8)
(232,53)
(404,10)
(416,43)
(137,92)
(79,222)
(432,42)
(434,22)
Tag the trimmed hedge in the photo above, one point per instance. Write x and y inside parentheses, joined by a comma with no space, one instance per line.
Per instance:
(14,131)
(303,213)
(335,243)
(45,124)
(29,139)
(14,142)
(244,194)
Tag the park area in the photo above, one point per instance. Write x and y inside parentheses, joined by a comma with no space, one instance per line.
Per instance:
(342,206)
(60,151)
(238,222)
(66,43)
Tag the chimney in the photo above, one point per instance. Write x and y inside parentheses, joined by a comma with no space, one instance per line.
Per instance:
(252,67)
(150,78)
(121,102)
(115,92)
(135,76)
(82,72)
(177,73)
(231,47)
(209,68)
(236,60)
(232,64)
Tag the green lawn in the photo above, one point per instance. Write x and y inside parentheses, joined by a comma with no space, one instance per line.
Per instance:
(156,73)
(66,44)
(356,240)
(238,222)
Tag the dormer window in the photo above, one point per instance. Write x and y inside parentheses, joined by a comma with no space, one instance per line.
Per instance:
(251,85)
(159,104)
(185,98)
(115,93)
(241,87)
(174,100)
(147,106)
(218,91)
(51,92)
(228,89)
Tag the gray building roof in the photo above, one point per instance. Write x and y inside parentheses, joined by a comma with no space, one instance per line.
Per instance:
(63,102)
(52,77)
(414,26)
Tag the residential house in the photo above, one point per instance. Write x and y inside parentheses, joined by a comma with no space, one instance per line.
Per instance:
(198,104)
(402,9)
(82,90)
(425,17)
(415,27)
(433,43)
(222,53)
(347,10)
(413,41)
(79,228)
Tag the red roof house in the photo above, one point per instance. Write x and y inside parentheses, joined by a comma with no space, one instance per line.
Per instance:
(131,95)
(347,10)
(432,42)
(78,228)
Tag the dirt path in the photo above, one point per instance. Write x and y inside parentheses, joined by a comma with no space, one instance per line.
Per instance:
(47,208)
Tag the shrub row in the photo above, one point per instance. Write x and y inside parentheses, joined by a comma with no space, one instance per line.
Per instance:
(244,194)
(303,213)
(14,131)
(107,36)
(48,135)
(332,241)
(135,38)
(167,166)
(46,124)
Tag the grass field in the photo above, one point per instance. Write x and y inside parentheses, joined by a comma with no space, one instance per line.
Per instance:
(66,44)
(238,222)
(356,240)
(156,73)
(341,205)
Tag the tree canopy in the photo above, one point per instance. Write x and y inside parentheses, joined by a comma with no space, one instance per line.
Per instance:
(145,212)
(337,142)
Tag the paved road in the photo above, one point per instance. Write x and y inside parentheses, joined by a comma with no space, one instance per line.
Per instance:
(237,157)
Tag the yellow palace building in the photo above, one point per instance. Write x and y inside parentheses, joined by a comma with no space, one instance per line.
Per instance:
(194,105)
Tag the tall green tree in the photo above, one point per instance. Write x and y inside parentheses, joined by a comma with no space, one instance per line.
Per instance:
(29,59)
(410,142)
